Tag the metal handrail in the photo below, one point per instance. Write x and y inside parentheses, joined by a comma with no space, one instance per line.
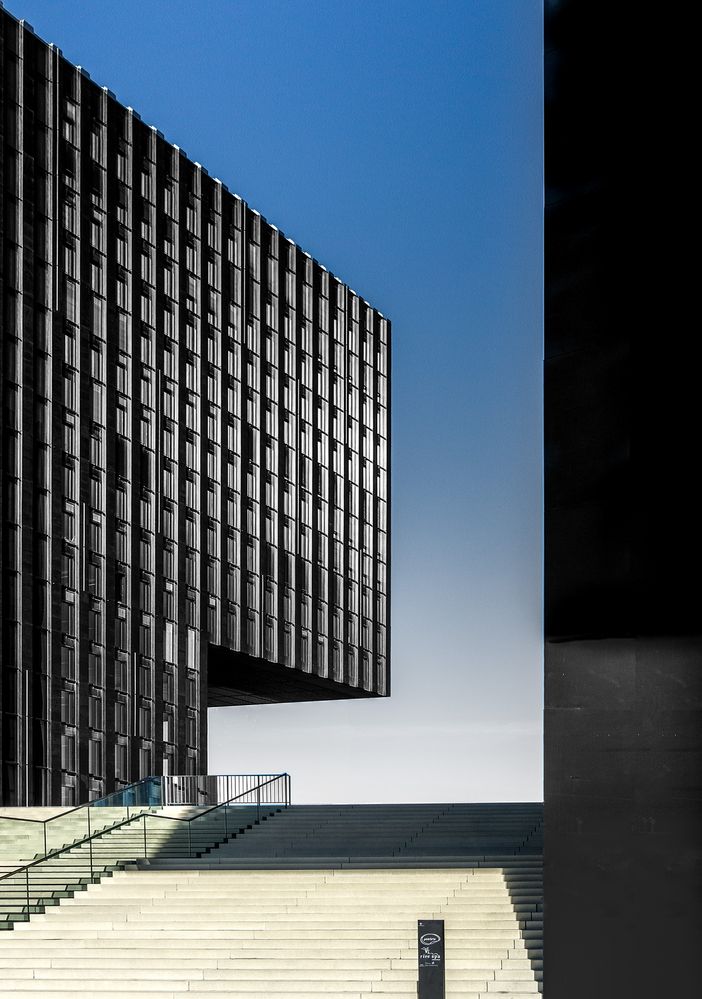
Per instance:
(72,846)
(87,805)
(224,805)
(160,782)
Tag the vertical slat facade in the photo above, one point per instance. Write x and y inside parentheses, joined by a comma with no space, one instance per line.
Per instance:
(194,449)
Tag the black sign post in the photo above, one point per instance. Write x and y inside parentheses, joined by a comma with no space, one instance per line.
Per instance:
(430,949)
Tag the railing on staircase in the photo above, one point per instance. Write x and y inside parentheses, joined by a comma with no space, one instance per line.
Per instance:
(46,836)
(189,789)
(271,792)
(255,796)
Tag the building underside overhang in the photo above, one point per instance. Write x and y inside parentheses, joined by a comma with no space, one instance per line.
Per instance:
(237,678)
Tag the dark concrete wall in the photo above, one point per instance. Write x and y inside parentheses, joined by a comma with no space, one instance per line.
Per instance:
(622,816)
(623,554)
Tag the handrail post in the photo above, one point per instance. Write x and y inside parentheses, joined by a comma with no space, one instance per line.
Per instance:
(45,837)
(90,846)
(146,854)
(26,877)
(190,839)
(258,803)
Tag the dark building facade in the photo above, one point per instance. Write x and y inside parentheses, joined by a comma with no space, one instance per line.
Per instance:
(194,449)
(623,532)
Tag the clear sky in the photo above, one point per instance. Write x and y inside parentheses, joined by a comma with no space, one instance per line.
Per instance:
(399,142)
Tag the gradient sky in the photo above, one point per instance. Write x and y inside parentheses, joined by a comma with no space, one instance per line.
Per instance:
(400,143)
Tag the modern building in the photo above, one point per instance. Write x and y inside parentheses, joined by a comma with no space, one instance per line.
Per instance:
(194,449)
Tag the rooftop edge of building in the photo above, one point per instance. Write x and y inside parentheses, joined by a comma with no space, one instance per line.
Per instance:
(27,26)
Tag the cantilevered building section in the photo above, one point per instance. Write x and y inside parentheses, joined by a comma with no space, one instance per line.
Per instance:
(193,449)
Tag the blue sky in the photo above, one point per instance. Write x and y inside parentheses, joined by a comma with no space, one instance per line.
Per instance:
(400,143)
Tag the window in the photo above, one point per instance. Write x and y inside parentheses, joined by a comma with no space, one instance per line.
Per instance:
(95,757)
(68,613)
(191,728)
(168,686)
(94,622)
(68,661)
(145,591)
(68,568)
(68,751)
(168,726)
(95,671)
(121,629)
(68,706)
(96,491)
(121,771)
(145,552)
(145,647)
(95,530)
(95,711)
(121,674)
(169,644)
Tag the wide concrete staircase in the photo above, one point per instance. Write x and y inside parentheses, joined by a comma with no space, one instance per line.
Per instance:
(440,835)
(347,934)
(335,914)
